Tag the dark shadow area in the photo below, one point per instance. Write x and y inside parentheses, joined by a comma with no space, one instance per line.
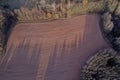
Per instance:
(110,25)
(10,20)
(103,66)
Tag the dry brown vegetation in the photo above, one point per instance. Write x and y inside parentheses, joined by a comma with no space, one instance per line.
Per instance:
(55,10)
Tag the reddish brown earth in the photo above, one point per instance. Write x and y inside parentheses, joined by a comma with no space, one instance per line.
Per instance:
(53,50)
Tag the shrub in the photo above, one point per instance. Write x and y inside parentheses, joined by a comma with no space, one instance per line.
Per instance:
(100,66)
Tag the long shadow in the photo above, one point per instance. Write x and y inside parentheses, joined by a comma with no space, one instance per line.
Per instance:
(69,63)
(67,66)
(20,66)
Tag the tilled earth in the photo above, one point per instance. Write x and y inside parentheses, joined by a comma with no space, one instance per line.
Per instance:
(54,50)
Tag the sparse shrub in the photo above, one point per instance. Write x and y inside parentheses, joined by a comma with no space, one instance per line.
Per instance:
(85,2)
(49,15)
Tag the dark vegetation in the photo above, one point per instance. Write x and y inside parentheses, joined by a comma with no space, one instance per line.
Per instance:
(1,34)
(104,65)
(8,21)
(111,26)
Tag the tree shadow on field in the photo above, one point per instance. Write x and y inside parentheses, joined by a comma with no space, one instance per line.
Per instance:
(9,21)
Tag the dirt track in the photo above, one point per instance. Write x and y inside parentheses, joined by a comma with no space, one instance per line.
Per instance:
(53,50)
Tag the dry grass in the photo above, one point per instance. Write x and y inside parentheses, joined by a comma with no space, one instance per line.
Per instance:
(91,7)
(24,14)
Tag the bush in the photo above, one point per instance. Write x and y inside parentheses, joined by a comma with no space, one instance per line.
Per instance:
(100,66)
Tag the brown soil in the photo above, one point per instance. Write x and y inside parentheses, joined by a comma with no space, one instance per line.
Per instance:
(53,50)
